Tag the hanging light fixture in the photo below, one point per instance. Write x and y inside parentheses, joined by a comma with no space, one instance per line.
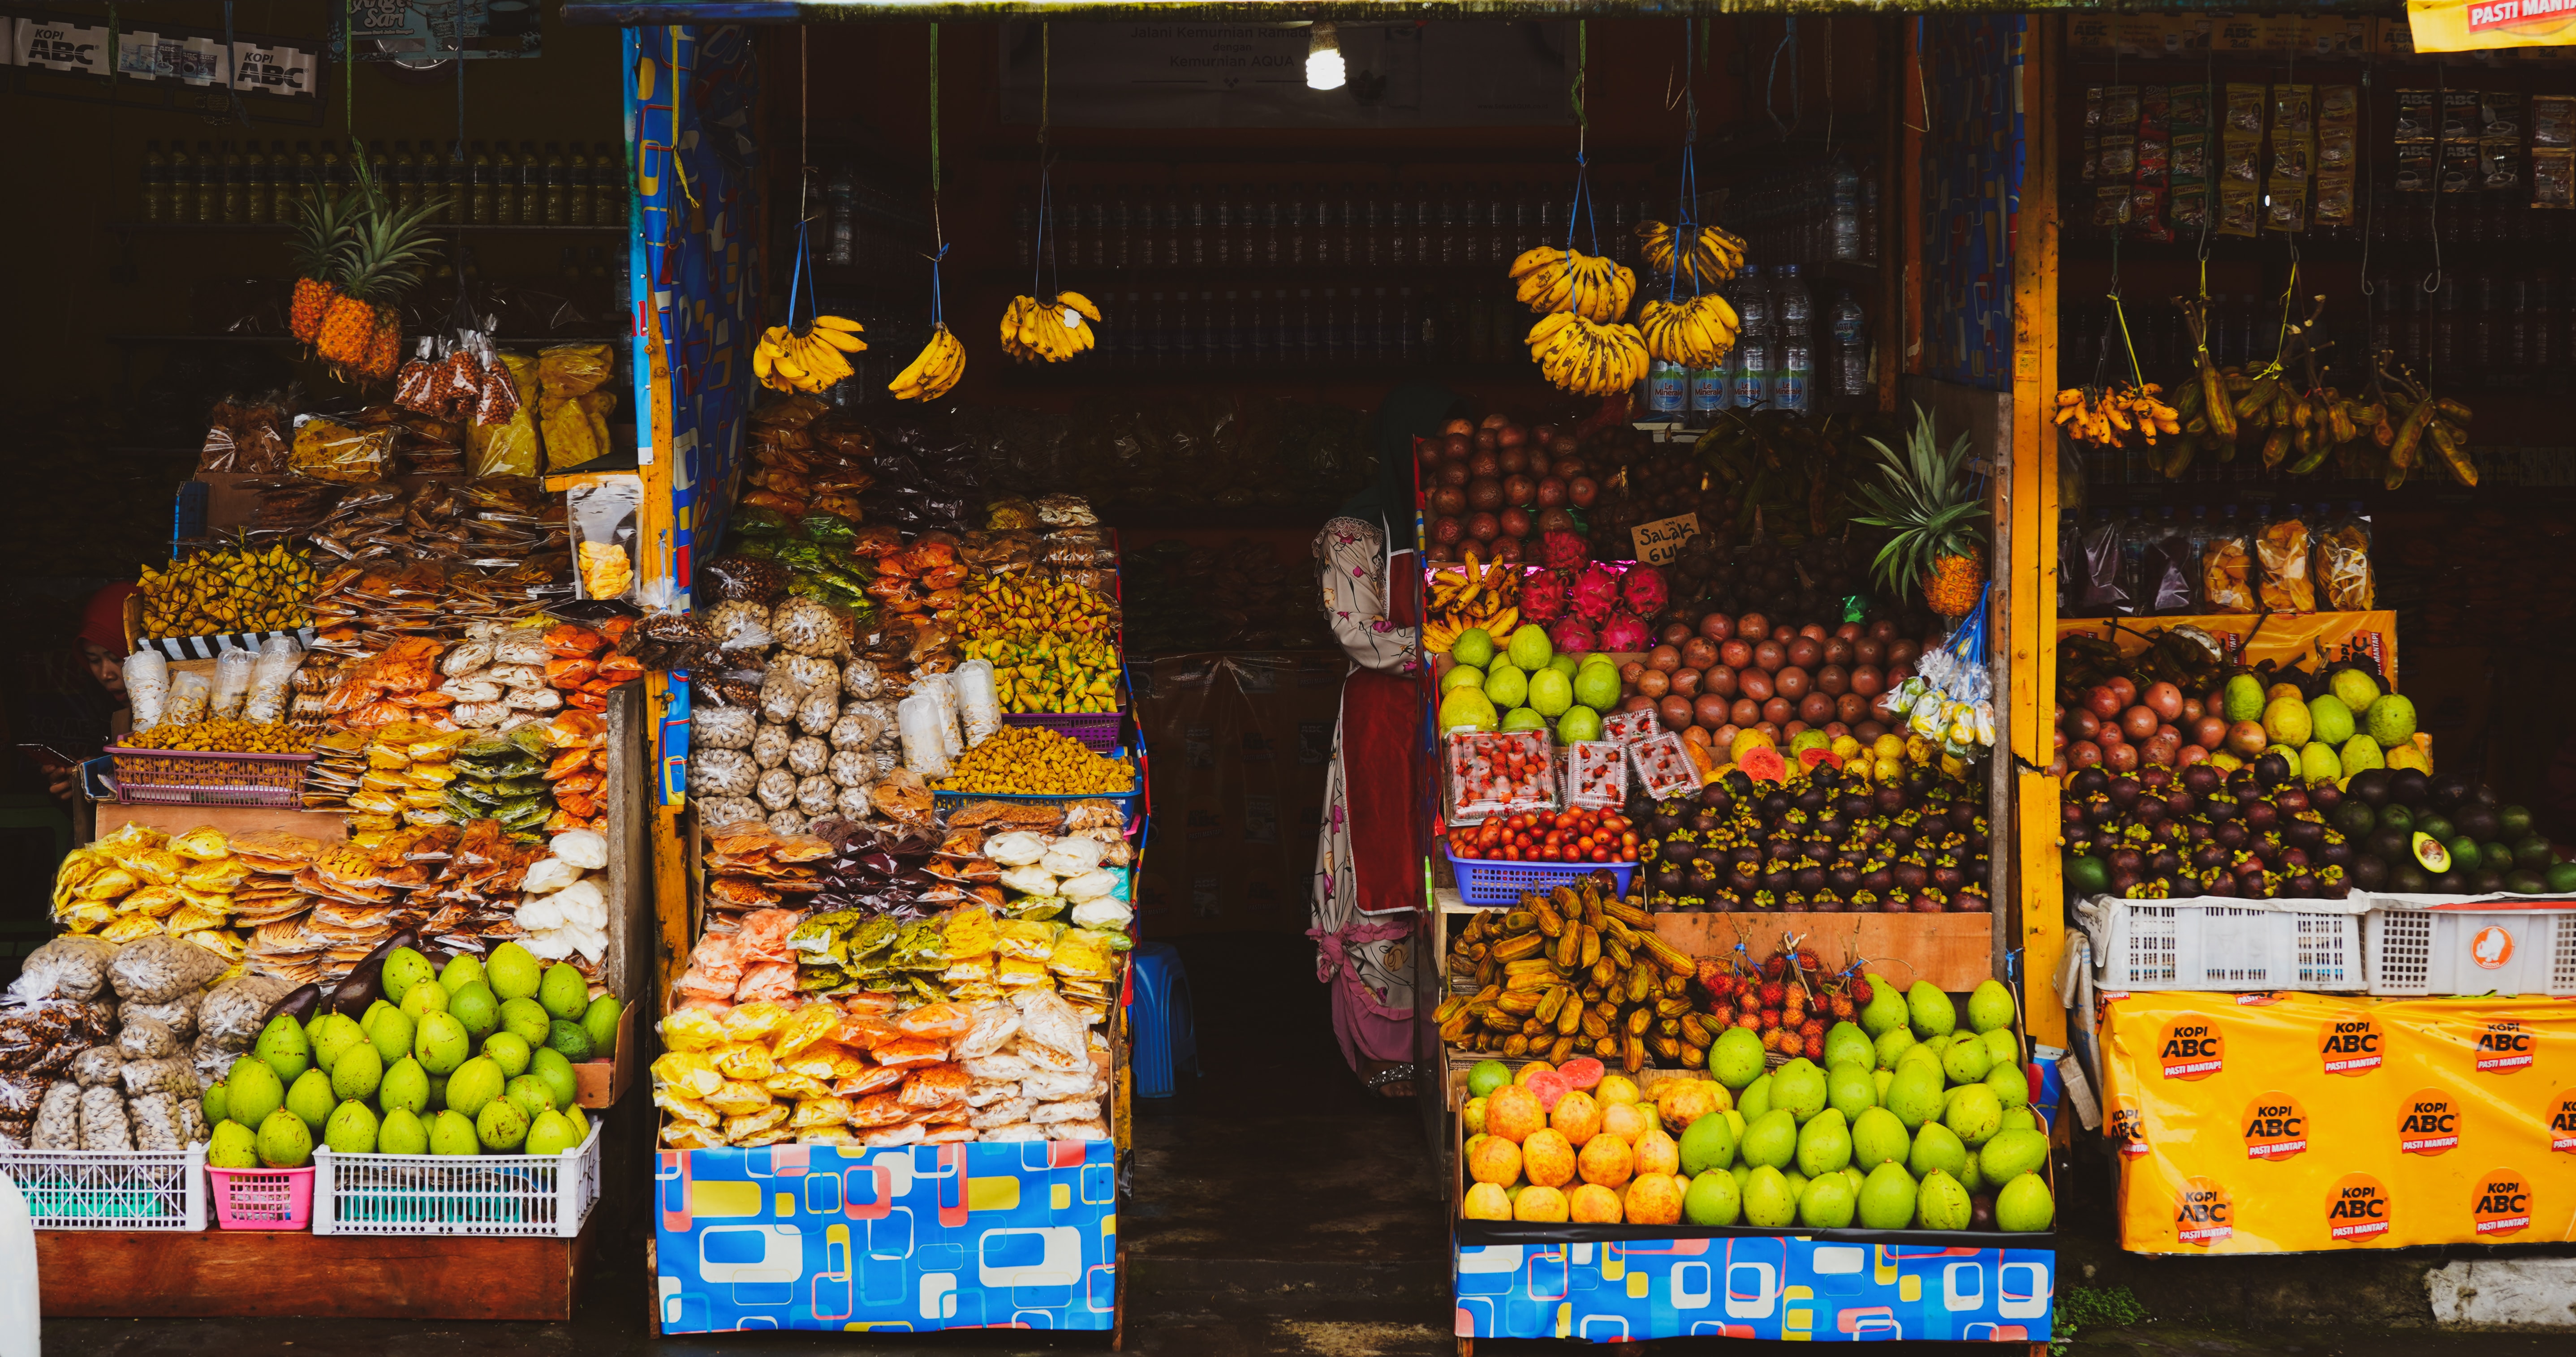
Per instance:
(1324,70)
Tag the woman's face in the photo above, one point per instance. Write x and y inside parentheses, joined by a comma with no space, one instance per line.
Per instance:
(106,668)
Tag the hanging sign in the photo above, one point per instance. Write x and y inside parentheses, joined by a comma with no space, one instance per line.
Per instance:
(1657,543)
(2480,25)
(147,56)
(429,30)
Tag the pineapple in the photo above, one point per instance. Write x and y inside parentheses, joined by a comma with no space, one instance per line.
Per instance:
(382,258)
(1935,513)
(384,350)
(322,237)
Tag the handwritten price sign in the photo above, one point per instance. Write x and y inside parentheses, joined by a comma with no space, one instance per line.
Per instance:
(1657,543)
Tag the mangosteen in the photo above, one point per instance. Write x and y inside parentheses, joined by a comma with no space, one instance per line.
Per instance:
(2090,780)
(2230,835)
(2221,807)
(1831,826)
(1811,800)
(2303,834)
(1877,876)
(2325,796)
(2200,831)
(2299,886)
(1706,821)
(2262,817)
(1845,879)
(1716,795)
(1853,806)
(1898,901)
(1971,899)
(2077,835)
(1979,841)
(1910,876)
(1901,834)
(2408,787)
(2335,853)
(1778,877)
(2249,865)
(2291,800)
(2124,792)
(2199,779)
(2208,855)
(1742,881)
(1808,880)
(1775,805)
(1931,902)
(1746,856)
(2294,859)
(2158,864)
(2127,860)
(2180,801)
(1963,817)
(1947,874)
(1890,800)
(2149,811)
(2221,884)
(1868,833)
(1825,902)
(2099,810)
(2241,783)
(1666,819)
(1670,876)
(2272,769)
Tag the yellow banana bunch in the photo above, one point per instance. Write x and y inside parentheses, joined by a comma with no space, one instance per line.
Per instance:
(785,360)
(1594,288)
(1589,359)
(1476,594)
(1695,333)
(1051,333)
(1713,257)
(934,371)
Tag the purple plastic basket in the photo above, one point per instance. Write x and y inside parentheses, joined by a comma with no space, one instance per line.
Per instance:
(1098,731)
(1487,881)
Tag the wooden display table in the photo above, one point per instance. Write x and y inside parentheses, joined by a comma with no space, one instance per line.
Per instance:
(236,1274)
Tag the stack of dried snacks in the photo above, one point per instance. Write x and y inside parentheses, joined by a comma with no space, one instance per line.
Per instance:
(339,768)
(814,553)
(139,882)
(234,589)
(272,902)
(502,778)
(409,768)
(815,737)
(1035,761)
(563,906)
(1053,645)
(805,458)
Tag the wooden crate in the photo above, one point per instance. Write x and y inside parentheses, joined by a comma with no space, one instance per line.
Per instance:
(236,1274)
(600,1083)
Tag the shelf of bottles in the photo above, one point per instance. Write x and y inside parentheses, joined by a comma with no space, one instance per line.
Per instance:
(239,186)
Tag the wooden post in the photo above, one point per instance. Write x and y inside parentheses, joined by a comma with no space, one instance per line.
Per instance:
(1900,226)
(2030,585)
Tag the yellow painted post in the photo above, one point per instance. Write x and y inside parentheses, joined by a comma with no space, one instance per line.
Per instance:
(671,922)
(2031,584)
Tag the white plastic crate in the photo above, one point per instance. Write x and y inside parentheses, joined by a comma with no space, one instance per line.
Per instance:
(2215,943)
(457,1194)
(2477,949)
(111,1189)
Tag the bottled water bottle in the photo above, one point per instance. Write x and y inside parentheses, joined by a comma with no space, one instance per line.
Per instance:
(1667,389)
(1753,340)
(1792,308)
(1851,345)
(1793,312)
(1797,369)
(1846,212)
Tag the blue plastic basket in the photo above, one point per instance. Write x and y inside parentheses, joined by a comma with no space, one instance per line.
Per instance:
(1167,1041)
(1485,881)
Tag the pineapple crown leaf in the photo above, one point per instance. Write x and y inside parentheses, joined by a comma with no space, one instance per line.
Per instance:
(1925,502)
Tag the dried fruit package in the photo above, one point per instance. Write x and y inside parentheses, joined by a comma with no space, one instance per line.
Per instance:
(1499,773)
(1664,766)
(2283,549)
(2343,565)
(2226,568)
(1596,774)
(603,514)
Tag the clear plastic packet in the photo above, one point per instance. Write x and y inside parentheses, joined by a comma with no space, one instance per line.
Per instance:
(2227,568)
(191,696)
(2097,565)
(507,443)
(2343,564)
(1664,766)
(147,686)
(942,689)
(1499,773)
(1628,727)
(602,515)
(568,370)
(232,683)
(328,450)
(925,747)
(2282,547)
(1596,774)
(979,705)
(272,679)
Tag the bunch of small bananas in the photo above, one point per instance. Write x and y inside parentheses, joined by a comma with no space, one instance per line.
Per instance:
(1590,286)
(2104,416)
(1476,594)
(1051,333)
(787,360)
(941,362)
(1695,333)
(1587,358)
(1714,256)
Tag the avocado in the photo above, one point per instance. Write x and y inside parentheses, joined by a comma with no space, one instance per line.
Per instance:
(2526,883)
(2486,881)
(2478,822)
(2436,825)
(2464,854)
(2355,819)
(2387,844)
(2513,822)
(2397,817)
(2086,876)
(2405,878)
(2431,852)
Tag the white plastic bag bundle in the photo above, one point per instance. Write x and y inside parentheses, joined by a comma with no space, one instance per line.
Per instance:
(925,749)
(232,682)
(191,694)
(979,704)
(942,689)
(272,679)
(147,686)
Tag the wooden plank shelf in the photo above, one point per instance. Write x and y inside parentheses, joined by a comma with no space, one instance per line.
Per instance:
(240,1274)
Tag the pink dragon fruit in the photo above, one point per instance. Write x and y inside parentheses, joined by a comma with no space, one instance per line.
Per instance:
(1623,634)
(1643,590)
(1596,594)
(1571,637)
(1543,597)
(1562,550)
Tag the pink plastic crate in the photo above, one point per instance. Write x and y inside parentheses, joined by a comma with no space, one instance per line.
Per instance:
(262,1199)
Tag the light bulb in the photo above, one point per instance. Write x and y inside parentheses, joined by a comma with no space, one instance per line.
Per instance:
(1324,70)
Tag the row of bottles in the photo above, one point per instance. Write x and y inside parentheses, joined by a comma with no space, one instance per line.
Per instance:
(484,185)
(1826,212)
(2474,327)
(1780,362)
(1133,226)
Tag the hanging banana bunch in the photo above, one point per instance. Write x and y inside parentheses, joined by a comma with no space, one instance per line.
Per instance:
(2106,416)
(1052,333)
(1581,355)
(1695,332)
(934,372)
(1709,255)
(1553,279)
(786,359)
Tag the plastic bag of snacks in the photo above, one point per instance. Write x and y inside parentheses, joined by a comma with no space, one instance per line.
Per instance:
(511,446)
(271,678)
(603,534)
(2343,564)
(232,682)
(147,686)
(327,450)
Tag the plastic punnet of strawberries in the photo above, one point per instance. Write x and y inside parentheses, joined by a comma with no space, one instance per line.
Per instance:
(1549,836)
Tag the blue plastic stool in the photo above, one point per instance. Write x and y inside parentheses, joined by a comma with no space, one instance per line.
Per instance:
(1167,1040)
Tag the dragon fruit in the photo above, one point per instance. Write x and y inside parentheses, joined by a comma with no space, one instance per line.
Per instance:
(1562,550)
(1571,637)
(1596,595)
(1643,590)
(1624,634)
(1543,597)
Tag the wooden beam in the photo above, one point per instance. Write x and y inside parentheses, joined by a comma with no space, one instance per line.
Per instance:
(150,1274)
(2031,570)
